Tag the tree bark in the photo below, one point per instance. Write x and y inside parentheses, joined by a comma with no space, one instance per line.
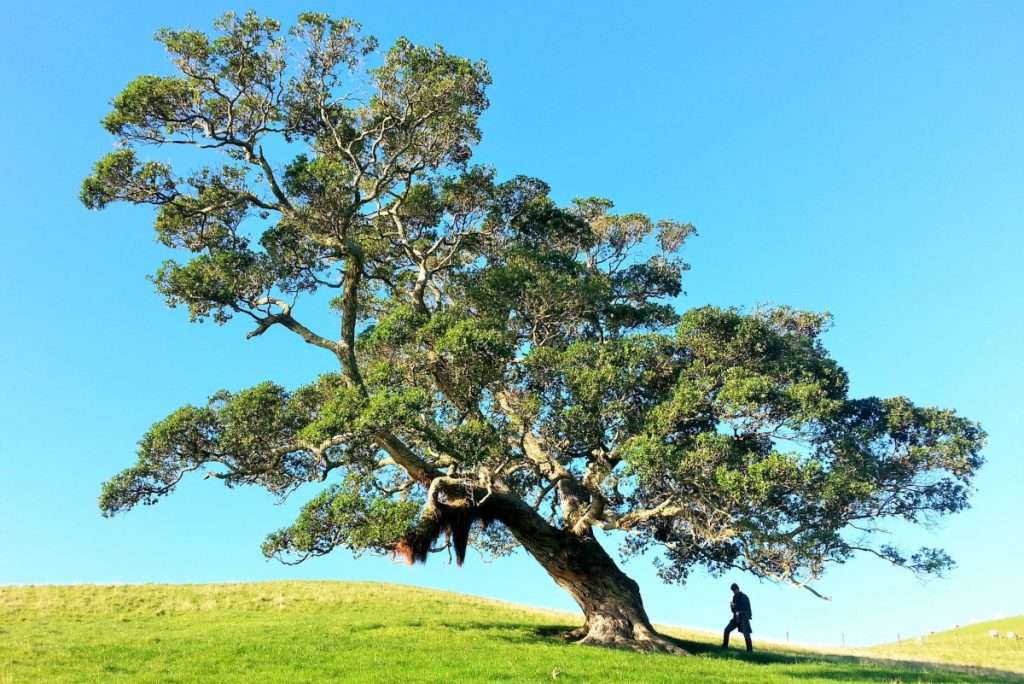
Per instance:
(610,600)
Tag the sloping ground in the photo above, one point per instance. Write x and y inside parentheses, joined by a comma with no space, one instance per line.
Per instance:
(354,632)
(968,645)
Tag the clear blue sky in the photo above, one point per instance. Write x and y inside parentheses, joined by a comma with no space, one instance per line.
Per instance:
(864,158)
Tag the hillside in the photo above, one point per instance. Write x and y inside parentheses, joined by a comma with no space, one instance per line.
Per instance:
(969,645)
(355,632)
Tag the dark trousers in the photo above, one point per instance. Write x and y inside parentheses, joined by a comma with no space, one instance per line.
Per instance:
(741,623)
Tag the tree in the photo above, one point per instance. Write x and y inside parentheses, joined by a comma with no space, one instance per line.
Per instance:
(509,372)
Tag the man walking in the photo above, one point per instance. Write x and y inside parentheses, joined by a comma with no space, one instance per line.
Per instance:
(741,615)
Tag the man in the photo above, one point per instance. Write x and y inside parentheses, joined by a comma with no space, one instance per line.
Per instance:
(741,615)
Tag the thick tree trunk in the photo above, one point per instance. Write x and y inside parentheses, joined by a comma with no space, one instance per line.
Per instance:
(610,600)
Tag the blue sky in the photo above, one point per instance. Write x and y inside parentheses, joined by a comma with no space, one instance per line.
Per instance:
(862,158)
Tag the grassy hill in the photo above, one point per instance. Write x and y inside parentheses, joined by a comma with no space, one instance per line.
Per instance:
(970,645)
(359,632)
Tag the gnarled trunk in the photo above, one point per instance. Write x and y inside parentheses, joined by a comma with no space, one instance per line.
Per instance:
(610,600)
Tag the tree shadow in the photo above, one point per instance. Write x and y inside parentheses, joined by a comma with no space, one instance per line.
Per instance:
(700,648)
(840,668)
(555,632)
(868,669)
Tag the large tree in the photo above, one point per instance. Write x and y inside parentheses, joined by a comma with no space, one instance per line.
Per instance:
(509,372)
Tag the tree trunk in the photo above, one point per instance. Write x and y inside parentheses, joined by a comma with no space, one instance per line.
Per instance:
(610,600)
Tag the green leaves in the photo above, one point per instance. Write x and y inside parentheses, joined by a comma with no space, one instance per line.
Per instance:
(436,98)
(597,395)
(338,412)
(672,234)
(351,515)
(210,217)
(764,371)
(152,107)
(120,177)
(918,461)
(249,437)
(333,49)
(212,284)
(265,436)
(775,462)
(179,443)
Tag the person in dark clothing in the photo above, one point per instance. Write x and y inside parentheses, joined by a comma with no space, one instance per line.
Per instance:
(741,616)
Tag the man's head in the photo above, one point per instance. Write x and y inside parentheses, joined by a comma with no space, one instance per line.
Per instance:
(735,588)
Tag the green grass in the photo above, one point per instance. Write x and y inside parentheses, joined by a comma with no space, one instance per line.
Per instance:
(356,632)
(970,645)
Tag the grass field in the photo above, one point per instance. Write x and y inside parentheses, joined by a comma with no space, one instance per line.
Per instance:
(970,645)
(364,632)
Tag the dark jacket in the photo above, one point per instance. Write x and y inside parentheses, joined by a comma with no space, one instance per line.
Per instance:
(741,605)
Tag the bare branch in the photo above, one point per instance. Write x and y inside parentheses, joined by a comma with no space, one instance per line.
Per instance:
(285,319)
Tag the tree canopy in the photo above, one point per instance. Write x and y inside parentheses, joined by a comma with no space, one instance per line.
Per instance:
(506,369)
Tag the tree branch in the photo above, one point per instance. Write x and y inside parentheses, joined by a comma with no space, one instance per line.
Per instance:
(286,320)
(570,491)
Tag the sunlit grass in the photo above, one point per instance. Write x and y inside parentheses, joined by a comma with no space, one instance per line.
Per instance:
(970,645)
(353,632)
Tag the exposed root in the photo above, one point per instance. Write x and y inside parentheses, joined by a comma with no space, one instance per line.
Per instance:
(642,640)
(657,644)
(574,634)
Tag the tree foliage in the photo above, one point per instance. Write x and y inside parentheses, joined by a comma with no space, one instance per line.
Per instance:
(499,356)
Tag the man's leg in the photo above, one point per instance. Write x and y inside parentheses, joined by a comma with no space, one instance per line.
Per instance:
(725,635)
(750,645)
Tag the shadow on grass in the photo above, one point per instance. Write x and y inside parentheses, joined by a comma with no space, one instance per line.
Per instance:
(840,668)
(697,648)
(825,666)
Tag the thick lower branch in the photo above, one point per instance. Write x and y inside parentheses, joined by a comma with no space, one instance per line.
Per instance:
(285,319)
(418,468)
(571,494)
